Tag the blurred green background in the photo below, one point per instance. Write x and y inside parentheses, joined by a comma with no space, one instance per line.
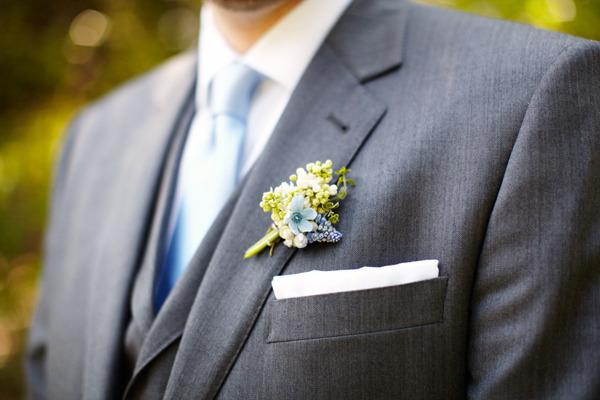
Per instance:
(56,56)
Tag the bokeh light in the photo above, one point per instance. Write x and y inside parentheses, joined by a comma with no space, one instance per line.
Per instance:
(89,28)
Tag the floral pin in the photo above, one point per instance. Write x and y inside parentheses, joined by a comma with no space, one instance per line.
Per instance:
(302,210)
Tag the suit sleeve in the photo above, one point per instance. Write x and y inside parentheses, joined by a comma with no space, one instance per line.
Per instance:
(36,352)
(534,328)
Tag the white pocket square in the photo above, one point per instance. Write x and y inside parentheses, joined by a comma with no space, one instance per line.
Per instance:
(323,282)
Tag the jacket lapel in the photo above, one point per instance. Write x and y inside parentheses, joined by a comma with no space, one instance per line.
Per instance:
(233,290)
(329,116)
(121,242)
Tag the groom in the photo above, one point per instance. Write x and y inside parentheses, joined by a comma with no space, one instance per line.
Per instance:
(472,141)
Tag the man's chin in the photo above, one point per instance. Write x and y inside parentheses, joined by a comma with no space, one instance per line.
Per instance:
(245,5)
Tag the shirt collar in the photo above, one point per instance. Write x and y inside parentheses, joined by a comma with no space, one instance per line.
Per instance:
(281,54)
(213,54)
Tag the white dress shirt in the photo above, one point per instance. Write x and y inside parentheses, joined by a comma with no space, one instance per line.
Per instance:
(281,55)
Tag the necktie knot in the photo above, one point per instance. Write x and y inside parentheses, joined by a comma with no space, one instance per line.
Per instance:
(231,90)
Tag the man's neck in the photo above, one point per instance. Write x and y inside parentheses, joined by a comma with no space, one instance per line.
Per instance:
(241,29)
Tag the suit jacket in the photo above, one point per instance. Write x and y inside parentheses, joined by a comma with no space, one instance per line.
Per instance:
(473,141)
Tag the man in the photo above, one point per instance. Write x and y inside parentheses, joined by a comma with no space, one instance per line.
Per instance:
(472,141)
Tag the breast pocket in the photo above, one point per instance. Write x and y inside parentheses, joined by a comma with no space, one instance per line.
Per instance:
(357,312)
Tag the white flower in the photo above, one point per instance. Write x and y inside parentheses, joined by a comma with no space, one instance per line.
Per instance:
(300,241)
(308,180)
(284,189)
(333,190)
(287,235)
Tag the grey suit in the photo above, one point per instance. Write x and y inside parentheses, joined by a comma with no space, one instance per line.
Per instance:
(473,141)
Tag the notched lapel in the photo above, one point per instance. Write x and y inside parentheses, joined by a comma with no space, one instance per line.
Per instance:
(329,116)
(369,38)
(234,290)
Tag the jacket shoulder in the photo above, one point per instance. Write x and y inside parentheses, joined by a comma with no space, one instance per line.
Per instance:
(481,34)
(144,88)
(115,119)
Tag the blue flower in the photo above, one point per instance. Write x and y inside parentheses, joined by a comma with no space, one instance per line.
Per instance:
(298,217)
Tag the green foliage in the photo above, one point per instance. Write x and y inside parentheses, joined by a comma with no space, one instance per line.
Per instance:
(576,17)
(56,56)
(342,183)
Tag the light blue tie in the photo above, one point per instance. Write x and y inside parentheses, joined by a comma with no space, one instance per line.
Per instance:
(210,177)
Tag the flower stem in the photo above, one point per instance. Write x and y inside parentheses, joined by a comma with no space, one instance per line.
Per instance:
(270,237)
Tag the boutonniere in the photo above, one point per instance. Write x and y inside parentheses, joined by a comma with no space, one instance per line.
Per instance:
(303,210)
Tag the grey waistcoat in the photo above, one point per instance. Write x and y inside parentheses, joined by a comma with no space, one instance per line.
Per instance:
(142,310)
